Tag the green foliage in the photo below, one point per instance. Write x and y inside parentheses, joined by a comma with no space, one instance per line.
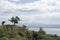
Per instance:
(10,32)
(4,38)
(24,26)
(42,31)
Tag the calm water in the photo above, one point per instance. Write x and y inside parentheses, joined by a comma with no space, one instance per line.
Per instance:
(49,30)
(52,31)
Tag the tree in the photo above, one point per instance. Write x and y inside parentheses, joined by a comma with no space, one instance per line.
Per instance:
(24,26)
(15,20)
(42,31)
(3,22)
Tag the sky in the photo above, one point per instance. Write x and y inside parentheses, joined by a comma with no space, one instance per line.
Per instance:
(31,11)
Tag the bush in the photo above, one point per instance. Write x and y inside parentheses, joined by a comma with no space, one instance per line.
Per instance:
(4,38)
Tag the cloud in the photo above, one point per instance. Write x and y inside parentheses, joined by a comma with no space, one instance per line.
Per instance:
(22,1)
(43,11)
(51,18)
(15,0)
(42,5)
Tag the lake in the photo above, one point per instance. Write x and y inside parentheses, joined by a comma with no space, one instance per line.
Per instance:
(49,30)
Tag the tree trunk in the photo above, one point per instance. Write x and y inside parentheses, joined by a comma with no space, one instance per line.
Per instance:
(14,23)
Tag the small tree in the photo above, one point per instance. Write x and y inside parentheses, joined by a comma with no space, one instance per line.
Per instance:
(24,26)
(15,20)
(3,22)
(42,31)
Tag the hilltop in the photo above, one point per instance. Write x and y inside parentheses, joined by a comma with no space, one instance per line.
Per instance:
(10,32)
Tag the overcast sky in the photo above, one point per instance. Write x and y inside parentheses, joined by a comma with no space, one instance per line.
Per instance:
(37,11)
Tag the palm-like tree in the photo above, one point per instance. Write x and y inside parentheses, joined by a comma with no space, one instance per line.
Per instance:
(15,20)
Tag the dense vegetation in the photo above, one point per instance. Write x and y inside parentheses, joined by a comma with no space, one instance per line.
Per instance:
(11,32)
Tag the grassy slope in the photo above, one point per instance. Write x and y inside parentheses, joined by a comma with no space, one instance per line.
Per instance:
(10,32)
